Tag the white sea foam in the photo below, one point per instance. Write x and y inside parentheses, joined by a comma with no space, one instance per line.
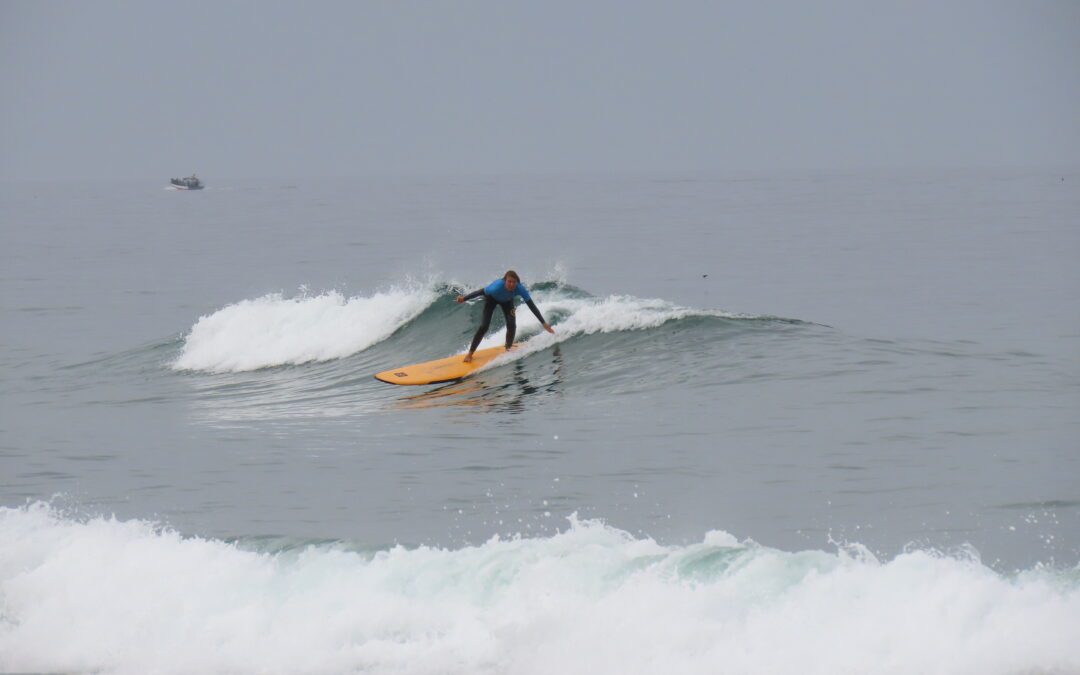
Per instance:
(585,316)
(275,331)
(125,597)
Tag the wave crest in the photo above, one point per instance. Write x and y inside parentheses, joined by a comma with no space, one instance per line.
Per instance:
(127,596)
(276,331)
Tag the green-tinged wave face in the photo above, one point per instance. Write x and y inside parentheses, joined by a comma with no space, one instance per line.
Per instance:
(104,595)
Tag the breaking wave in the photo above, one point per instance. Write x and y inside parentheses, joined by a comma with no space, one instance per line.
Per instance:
(105,595)
(275,331)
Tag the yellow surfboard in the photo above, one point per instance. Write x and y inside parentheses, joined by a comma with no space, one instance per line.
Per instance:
(443,370)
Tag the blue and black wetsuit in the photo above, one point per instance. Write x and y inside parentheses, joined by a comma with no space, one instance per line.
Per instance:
(494,294)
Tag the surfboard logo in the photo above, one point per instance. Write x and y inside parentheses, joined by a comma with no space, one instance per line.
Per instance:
(401,374)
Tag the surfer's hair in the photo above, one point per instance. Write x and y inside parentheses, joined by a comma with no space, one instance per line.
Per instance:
(511,274)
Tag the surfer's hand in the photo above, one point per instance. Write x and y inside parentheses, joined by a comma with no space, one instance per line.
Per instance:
(460,299)
(548,328)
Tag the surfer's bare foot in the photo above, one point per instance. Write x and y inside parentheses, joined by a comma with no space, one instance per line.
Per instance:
(468,358)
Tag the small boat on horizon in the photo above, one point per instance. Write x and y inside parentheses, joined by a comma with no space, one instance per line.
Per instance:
(191,182)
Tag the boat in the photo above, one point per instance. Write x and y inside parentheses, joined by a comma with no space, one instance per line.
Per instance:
(191,182)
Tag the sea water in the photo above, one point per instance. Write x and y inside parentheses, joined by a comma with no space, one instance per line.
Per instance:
(788,422)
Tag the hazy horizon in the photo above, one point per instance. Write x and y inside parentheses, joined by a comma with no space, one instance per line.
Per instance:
(142,91)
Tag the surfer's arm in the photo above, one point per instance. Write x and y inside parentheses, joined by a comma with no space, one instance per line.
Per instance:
(535,311)
(540,317)
(470,296)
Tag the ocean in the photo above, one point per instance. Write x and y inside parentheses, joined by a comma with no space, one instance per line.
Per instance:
(788,422)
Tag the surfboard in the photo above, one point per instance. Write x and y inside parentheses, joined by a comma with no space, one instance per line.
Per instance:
(442,370)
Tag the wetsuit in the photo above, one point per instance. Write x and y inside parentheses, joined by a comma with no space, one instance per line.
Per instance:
(494,294)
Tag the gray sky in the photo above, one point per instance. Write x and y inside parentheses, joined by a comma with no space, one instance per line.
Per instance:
(149,89)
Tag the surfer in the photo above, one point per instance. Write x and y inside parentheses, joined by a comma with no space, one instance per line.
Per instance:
(501,292)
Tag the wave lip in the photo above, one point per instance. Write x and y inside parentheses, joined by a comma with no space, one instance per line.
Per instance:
(127,596)
(577,316)
(275,331)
